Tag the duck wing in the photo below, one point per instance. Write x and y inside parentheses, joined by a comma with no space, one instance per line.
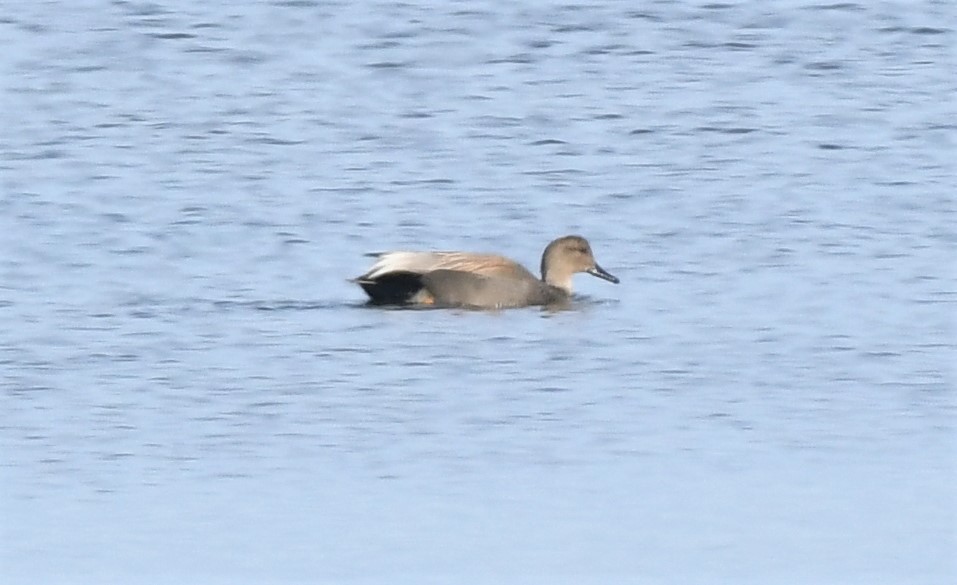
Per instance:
(424,262)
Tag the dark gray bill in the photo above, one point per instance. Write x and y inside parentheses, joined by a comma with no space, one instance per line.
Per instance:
(602,273)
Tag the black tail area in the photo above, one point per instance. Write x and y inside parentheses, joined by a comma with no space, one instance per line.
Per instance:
(394,288)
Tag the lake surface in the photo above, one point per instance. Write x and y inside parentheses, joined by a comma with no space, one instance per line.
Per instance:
(192,391)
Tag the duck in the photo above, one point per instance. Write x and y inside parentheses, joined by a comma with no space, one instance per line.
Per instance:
(478,281)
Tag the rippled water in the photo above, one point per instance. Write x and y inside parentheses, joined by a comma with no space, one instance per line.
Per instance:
(191,388)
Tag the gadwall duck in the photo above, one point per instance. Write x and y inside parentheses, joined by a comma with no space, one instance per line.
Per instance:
(484,281)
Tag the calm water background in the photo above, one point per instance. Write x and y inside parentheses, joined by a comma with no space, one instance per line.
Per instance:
(193,392)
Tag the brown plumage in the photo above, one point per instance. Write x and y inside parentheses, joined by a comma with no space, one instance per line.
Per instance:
(462,279)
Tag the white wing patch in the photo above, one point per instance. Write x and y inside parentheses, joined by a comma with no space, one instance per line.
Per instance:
(416,262)
(424,262)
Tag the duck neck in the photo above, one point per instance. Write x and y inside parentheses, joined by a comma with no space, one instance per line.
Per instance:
(558,279)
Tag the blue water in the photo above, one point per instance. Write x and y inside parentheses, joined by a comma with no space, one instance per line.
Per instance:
(192,391)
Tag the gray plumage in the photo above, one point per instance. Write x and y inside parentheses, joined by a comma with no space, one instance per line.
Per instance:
(461,279)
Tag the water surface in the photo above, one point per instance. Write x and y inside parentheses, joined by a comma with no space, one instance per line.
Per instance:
(192,389)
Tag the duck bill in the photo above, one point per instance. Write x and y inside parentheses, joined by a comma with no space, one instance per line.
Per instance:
(602,274)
